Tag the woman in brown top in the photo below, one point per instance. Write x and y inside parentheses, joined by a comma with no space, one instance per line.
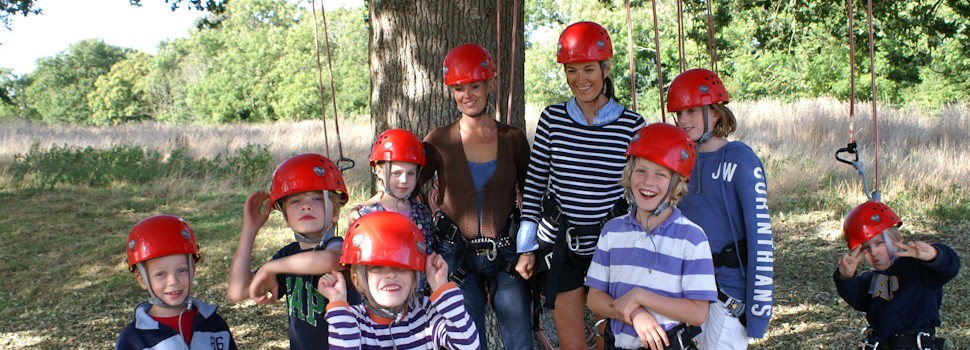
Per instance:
(479,163)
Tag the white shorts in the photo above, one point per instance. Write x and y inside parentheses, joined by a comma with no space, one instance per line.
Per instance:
(721,330)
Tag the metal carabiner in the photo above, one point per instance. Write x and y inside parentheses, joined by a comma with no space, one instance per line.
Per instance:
(492,253)
(569,239)
(919,340)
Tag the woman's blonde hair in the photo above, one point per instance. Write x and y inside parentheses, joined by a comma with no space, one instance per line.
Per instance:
(676,194)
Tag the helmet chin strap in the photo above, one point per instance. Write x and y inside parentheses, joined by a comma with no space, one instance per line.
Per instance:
(154,300)
(708,134)
(665,203)
(387,189)
(891,249)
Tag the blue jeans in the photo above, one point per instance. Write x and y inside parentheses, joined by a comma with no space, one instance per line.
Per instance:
(511,299)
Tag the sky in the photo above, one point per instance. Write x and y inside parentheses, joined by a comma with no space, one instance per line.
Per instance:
(115,22)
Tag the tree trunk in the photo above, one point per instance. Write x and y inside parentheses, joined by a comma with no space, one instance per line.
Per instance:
(408,43)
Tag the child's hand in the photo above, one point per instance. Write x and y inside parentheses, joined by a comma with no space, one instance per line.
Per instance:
(333,287)
(919,250)
(263,287)
(627,304)
(651,334)
(436,270)
(256,211)
(849,262)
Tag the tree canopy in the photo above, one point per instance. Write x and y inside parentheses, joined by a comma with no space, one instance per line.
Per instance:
(259,63)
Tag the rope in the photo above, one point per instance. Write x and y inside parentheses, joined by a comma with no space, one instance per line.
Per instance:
(629,44)
(515,30)
(660,75)
(680,35)
(872,70)
(851,74)
(710,37)
(316,44)
(333,94)
(498,54)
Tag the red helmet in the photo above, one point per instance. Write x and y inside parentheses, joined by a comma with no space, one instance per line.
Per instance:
(666,145)
(397,145)
(468,63)
(306,172)
(584,42)
(695,88)
(158,236)
(867,220)
(384,238)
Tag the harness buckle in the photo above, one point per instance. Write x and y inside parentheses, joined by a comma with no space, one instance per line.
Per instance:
(734,306)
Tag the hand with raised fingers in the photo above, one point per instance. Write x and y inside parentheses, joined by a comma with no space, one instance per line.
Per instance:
(849,262)
(918,249)
(333,287)
(256,210)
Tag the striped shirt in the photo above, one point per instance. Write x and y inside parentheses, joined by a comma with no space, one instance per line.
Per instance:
(673,260)
(581,166)
(430,323)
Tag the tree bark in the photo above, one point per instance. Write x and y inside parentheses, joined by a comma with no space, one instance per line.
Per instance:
(408,43)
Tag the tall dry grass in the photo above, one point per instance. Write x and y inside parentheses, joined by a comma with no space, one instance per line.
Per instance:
(795,140)
(284,139)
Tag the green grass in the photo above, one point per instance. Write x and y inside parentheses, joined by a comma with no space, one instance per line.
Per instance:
(66,285)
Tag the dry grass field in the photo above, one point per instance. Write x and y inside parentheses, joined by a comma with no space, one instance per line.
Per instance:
(65,285)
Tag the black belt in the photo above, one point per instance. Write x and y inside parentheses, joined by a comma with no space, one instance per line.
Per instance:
(910,340)
(447,231)
(680,337)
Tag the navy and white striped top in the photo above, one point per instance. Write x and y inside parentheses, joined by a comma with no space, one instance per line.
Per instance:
(581,165)
(430,323)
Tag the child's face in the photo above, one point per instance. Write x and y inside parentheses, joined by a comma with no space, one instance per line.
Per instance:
(585,80)
(309,213)
(691,120)
(170,278)
(471,97)
(876,251)
(389,286)
(649,183)
(402,179)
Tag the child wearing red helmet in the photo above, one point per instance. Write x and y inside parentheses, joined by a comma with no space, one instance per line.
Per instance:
(385,252)
(901,295)
(396,159)
(572,186)
(652,271)
(729,200)
(308,190)
(162,251)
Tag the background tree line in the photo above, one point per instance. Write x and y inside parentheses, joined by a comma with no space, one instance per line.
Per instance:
(254,60)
